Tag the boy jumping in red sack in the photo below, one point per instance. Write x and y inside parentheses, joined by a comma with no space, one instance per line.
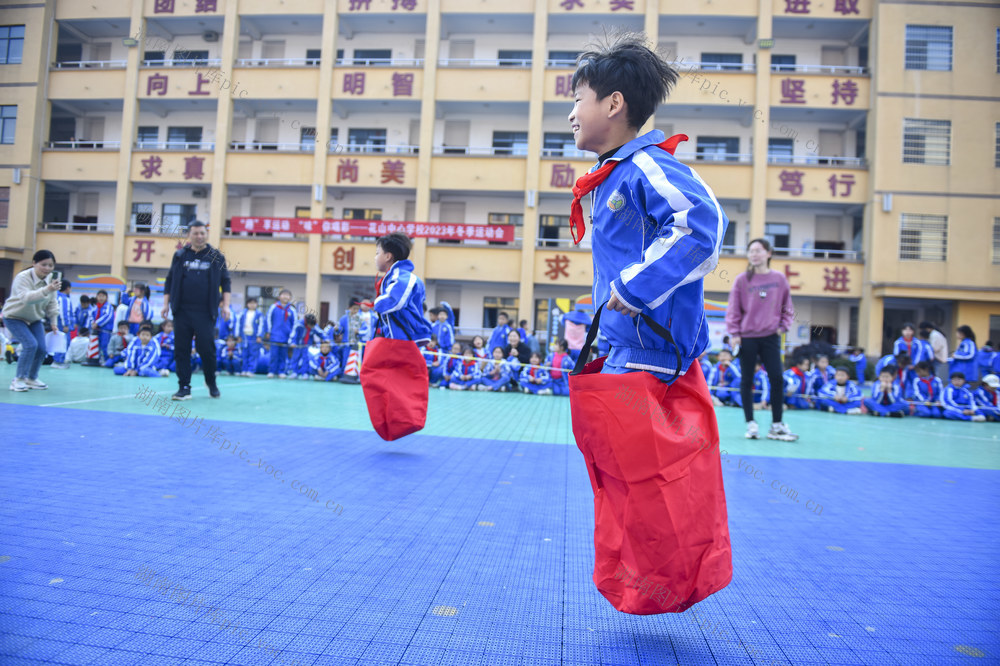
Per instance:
(642,415)
(400,293)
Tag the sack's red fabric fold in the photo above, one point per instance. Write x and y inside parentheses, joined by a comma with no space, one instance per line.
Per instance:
(661,534)
(394,380)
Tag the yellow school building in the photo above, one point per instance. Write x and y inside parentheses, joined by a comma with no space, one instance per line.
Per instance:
(861,136)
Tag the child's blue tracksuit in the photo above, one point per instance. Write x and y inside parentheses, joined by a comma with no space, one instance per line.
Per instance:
(67,320)
(329,362)
(829,392)
(657,231)
(144,306)
(914,348)
(118,349)
(166,343)
(449,364)
(886,403)
(247,329)
(796,389)
(399,304)
(435,373)
(445,330)
(466,375)
(224,326)
(903,376)
(964,360)
(528,373)
(928,389)
(817,378)
(342,350)
(141,358)
(988,402)
(498,338)
(278,325)
(761,387)
(984,359)
(955,399)
(83,317)
(706,368)
(101,323)
(303,337)
(230,361)
(560,378)
(726,379)
(860,365)
(497,375)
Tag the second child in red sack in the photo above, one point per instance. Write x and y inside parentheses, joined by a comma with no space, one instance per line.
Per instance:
(393,371)
(642,415)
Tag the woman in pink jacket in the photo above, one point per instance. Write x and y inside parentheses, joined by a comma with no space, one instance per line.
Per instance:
(760,310)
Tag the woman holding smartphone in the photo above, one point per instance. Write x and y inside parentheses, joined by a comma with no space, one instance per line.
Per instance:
(32,301)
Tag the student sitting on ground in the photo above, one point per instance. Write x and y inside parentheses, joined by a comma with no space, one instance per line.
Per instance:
(761,388)
(141,355)
(904,376)
(498,374)
(958,402)
(857,357)
(706,365)
(466,375)
(118,345)
(926,392)
(564,363)
(823,374)
(326,364)
(724,382)
(230,358)
(841,396)
(77,352)
(535,380)
(887,395)
(449,363)
(435,363)
(165,339)
(797,385)
(988,398)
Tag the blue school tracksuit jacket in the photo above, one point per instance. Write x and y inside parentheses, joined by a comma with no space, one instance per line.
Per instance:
(818,378)
(166,343)
(928,389)
(529,373)
(329,362)
(67,320)
(724,383)
(796,389)
(954,400)
(860,364)
(248,341)
(399,304)
(915,348)
(303,337)
(436,373)
(761,387)
(827,393)
(884,403)
(469,369)
(83,317)
(984,359)
(988,402)
(497,375)
(141,358)
(279,322)
(226,363)
(657,231)
(964,360)
(498,338)
(445,330)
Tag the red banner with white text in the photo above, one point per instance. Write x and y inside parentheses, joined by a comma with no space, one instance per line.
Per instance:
(305,225)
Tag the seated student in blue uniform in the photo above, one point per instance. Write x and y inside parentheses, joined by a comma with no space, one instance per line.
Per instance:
(563,362)
(229,357)
(860,361)
(306,334)
(497,375)
(761,388)
(958,403)
(926,392)
(821,374)
(905,373)
(535,380)
(887,395)
(984,358)
(841,395)
(165,339)
(706,365)
(118,345)
(435,363)
(325,365)
(466,375)
(988,398)
(449,363)
(797,385)
(141,355)
(724,382)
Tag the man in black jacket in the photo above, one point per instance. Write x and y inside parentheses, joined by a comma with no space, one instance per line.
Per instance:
(197,277)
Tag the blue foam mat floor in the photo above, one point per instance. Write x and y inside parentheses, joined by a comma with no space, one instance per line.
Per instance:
(445,550)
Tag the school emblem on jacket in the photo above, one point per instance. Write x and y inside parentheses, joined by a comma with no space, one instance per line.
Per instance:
(616,201)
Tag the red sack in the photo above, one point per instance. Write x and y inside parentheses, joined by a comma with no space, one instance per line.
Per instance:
(661,534)
(394,381)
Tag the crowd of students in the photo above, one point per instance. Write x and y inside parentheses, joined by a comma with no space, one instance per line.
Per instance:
(906,382)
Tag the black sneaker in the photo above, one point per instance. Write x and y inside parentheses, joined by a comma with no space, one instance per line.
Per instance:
(213,391)
(183,393)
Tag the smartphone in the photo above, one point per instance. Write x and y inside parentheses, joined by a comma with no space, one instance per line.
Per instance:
(57,276)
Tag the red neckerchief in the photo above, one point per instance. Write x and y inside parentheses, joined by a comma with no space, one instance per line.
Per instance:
(993,395)
(531,371)
(930,389)
(286,309)
(100,306)
(909,346)
(322,362)
(886,395)
(802,385)
(306,339)
(467,364)
(588,182)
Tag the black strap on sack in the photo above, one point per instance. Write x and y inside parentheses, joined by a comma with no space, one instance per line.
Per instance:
(592,335)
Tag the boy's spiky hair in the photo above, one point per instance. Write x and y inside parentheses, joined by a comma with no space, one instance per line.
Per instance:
(397,244)
(624,62)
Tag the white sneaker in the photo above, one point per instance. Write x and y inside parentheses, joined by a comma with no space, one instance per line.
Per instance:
(60,366)
(545,392)
(18,384)
(281,375)
(978,417)
(782,432)
(854,410)
(164,372)
(716,401)
(35,384)
(270,375)
(753,431)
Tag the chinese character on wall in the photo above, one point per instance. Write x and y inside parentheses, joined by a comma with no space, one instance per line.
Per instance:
(343,260)
(557,267)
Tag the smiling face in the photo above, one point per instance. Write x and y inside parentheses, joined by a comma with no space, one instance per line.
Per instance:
(588,120)
(513,338)
(198,237)
(757,255)
(44,267)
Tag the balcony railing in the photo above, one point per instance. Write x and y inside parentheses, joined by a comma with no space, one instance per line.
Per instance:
(514,151)
(255,146)
(204,146)
(201,62)
(799,252)
(737,158)
(78,223)
(84,144)
(821,69)
(484,62)
(719,66)
(818,160)
(89,64)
